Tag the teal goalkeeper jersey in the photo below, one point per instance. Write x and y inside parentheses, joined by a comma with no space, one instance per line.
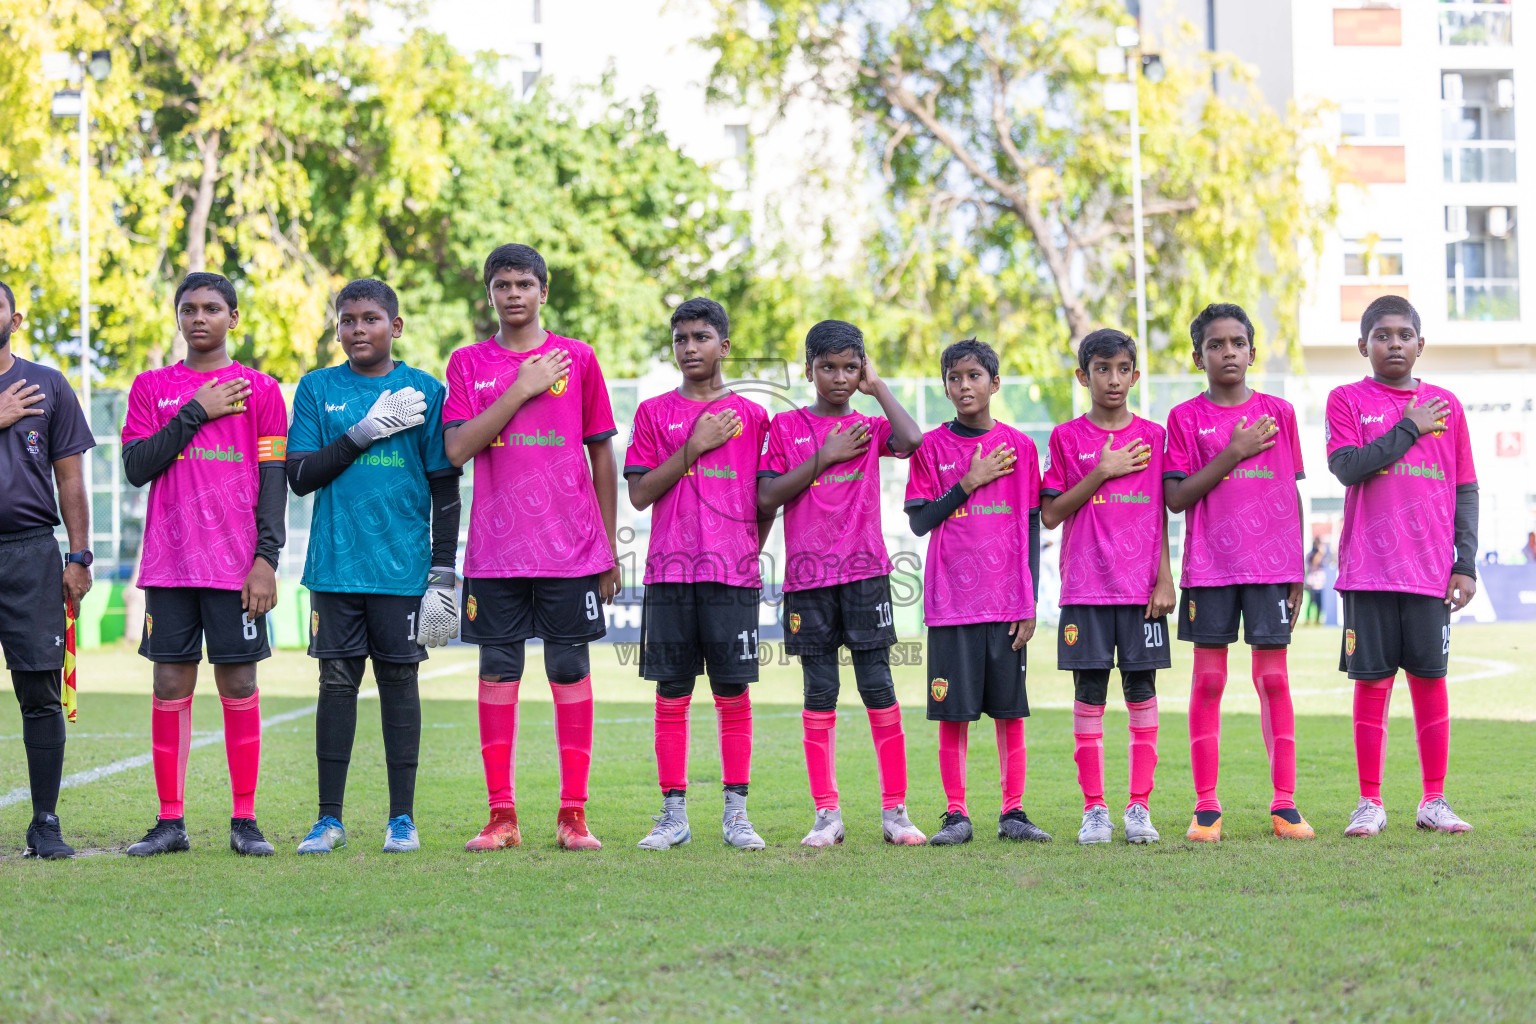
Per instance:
(370,531)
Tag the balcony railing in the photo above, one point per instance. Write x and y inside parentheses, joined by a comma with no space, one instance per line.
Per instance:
(1472,24)
(1481,160)
(1483,298)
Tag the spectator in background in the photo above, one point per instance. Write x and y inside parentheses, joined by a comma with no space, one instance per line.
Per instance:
(1530,547)
(1316,580)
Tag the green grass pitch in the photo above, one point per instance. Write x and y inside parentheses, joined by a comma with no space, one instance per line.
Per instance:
(1409,926)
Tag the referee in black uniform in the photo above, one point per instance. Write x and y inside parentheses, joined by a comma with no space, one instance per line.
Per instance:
(43,436)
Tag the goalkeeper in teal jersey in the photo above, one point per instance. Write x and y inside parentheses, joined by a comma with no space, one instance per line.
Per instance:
(367,441)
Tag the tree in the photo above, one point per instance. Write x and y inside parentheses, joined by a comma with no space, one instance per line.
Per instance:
(1008,179)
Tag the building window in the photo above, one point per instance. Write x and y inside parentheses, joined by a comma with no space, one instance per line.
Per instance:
(1371,123)
(1478,125)
(736,140)
(1481,269)
(1475,24)
(1372,258)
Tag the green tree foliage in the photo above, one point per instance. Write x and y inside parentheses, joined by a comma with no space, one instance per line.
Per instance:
(1008,180)
(233,137)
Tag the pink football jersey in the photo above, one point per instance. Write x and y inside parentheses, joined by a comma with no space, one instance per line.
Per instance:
(200,528)
(1247,529)
(977,569)
(832,528)
(1110,547)
(534,510)
(1400,525)
(705,528)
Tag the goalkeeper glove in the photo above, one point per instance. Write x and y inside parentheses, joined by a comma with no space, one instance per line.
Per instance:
(439,619)
(392,412)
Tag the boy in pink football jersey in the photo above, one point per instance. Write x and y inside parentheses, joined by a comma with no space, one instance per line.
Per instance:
(209,436)
(821,464)
(1233,460)
(975,490)
(692,459)
(541,560)
(1103,482)
(1407,553)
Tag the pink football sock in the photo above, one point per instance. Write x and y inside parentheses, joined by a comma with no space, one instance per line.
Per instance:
(953,737)
(573,735)
(890,754)
(672,742)
(1206,687)
(242,748)
(1143,752)
(1088,751)
(170,740)
(498,741)
(733,718)
(1432,721)
(1277,720)
(1011,762)
(821,756)
(1372,698)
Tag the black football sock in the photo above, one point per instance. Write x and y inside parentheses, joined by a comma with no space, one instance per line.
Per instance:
(42,733)
(335,726)
(400,715)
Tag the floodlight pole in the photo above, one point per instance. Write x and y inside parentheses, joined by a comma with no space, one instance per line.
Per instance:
(1133,67)
(85,282)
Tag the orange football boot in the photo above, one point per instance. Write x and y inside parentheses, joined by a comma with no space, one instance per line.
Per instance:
(499,833)
(1287,829)
(1199,833)
(571,830)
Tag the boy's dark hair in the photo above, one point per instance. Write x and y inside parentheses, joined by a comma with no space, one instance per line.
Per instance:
(1218,311)
(831,336)
(1388,305)
(368,289)
(513,256)
(970,348)
(1105,343)
(708,310)
(200,279)
(10,296)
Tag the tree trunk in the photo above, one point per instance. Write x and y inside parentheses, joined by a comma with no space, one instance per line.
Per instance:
(197,222)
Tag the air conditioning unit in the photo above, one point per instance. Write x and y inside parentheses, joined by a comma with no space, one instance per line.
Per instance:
(1450,87)
(1504,94)
(1498,221)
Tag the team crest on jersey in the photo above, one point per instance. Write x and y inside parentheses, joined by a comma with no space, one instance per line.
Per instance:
(794,622)
(1069,634)
(314,623)
(1349,642)
(738,430)
(558,387)
(471,608)
(32,442)
(939,688)
(149,625)
(1191,609)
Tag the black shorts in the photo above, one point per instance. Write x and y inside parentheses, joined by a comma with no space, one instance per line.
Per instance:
(1091,635)
(379,626)
(1385,631)
(177,619)
(974,670)
(1208,615)
(855,615)
(32,601)
(686,626)
(510,609)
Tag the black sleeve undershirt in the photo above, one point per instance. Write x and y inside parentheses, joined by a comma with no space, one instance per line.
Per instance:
(924,516)
(445,517)
(1034,550)
(310,471)
(148,457)
(1467,502)
(1355,465)
(271,504)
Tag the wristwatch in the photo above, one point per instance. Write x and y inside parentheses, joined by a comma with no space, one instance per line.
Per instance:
(83,557)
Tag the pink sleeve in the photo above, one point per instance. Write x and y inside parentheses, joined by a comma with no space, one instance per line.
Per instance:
(1177,449)
(140,421)
(758,426)
(1031,468)
(456,407)
(1466,472)
(1055,478)
(271,422)
(922,481)
(1290,426)
(642,453)
(596,410)
(1340,428)
(775,458)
